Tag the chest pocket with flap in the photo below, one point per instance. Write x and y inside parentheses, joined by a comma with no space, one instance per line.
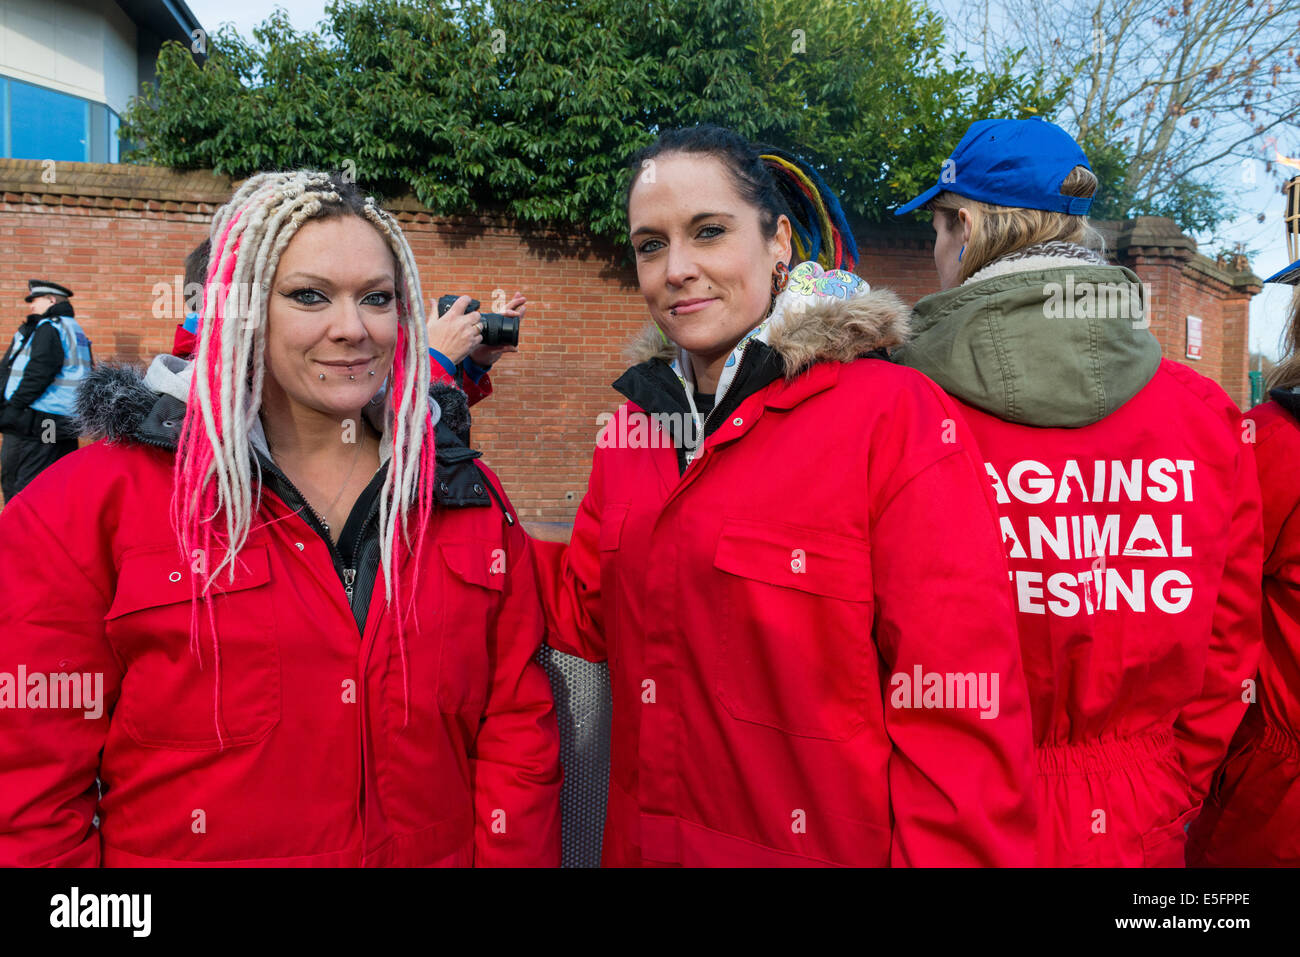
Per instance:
(169,694)
(796,648)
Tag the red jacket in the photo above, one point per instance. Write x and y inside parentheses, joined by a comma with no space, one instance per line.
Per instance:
(1252,817)
(1134,544)
(316,767)
(765,613)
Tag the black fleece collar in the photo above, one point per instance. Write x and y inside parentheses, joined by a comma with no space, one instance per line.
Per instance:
(1288,400)
(459,482)
(654,386)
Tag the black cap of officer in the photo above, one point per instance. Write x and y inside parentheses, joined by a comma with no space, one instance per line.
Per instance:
(43,287)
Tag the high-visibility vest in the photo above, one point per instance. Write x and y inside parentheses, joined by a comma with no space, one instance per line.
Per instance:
(61,397)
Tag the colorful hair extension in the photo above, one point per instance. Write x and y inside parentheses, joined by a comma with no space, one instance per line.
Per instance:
(821,232)
(214,461)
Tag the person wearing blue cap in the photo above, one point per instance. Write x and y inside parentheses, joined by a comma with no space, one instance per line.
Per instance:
(1252,818)
(1128,503)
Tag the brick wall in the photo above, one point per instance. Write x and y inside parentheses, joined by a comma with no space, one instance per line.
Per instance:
(112,233)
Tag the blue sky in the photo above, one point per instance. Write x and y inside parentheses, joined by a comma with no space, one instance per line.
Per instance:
(1267,312)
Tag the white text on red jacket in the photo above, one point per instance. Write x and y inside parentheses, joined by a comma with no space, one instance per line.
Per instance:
(1073,524)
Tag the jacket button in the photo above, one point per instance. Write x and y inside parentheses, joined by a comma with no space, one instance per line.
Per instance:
(442,486)
(737,421)
(174,576)
(478,489)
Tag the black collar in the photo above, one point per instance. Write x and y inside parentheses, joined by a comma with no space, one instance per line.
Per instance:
(1287,399)
(458,482)
(654,386)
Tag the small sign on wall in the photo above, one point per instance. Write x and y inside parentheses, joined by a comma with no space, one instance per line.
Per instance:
(1194,337)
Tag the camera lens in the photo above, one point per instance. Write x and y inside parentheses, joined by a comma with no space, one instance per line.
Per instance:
(500,330)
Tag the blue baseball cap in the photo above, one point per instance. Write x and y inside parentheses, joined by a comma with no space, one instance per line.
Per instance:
(1287,274)
(1011,163)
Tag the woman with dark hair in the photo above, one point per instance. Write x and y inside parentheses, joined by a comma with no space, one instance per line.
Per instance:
(1127,500)
(1252,815)
(787,553)
(298,618)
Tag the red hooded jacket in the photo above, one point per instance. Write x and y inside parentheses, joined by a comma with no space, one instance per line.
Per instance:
(1252,817)
(317,762)
(1130,513)
(811,647)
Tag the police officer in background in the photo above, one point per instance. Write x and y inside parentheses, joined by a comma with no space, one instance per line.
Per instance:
(39,375)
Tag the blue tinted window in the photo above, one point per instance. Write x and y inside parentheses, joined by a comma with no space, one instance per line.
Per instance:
(44,124)
(114,148)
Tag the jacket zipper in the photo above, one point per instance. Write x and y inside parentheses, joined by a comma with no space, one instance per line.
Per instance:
(693,455)
(350,574)
(313,518)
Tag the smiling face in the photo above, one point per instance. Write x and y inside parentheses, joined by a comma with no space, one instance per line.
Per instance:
(702,261)
(331,311)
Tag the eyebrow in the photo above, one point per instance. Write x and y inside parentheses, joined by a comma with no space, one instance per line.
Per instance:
(694,219)
(324,281)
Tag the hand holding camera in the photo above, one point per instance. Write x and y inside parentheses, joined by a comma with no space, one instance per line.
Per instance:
(457,329)
(490,352)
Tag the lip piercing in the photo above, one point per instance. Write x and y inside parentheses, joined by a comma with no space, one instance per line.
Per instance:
(372,371)
(322,375)
(351,377)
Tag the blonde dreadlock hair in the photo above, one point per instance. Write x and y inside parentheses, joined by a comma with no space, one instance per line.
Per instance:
(214,461)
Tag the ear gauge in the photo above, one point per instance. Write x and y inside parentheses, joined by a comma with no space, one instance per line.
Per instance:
(780,278)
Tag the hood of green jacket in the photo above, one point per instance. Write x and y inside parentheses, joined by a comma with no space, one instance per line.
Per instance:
(1062,347)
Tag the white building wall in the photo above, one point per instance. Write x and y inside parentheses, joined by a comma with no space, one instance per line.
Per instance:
(82,47)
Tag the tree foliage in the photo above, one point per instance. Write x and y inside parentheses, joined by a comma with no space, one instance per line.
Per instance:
(531,109)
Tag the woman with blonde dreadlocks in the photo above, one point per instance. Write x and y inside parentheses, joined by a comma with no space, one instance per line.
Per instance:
(281,614)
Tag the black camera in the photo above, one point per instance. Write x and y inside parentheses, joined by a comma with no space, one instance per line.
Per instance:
(498,330)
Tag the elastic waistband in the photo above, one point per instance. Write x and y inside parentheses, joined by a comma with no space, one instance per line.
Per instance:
(1272,737)
(1104,755)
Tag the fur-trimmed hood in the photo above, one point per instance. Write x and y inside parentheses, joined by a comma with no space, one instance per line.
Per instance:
(128,404)
(810,330)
